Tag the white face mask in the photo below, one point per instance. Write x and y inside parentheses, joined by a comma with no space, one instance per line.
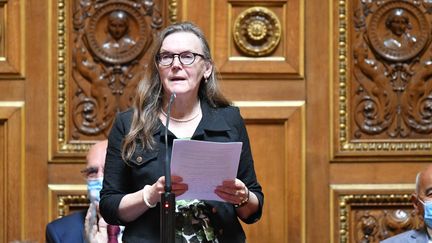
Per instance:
(94,186)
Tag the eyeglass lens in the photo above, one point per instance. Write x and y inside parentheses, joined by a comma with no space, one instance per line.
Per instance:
(185,58)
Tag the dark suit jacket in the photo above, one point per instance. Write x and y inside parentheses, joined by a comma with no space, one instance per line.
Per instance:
(412,236)
(68,229)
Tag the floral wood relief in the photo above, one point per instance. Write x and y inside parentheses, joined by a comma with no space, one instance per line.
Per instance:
(110,39)
(391,92)
(372,218)
(376,225)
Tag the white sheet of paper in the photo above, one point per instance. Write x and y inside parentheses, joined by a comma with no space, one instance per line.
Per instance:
(204,165)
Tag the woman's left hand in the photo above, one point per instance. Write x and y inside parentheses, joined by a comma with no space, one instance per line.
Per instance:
(232,191)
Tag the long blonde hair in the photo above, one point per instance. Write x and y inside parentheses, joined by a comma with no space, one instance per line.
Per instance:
(148,101)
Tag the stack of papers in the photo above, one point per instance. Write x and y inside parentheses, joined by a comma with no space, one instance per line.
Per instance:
(204,165)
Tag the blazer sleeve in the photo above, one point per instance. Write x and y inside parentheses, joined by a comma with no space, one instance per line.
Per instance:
(116,184)
(246,171)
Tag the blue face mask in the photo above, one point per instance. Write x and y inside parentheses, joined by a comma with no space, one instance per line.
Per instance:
(427,208)
(94,186)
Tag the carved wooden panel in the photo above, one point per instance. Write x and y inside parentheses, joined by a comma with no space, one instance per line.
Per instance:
(11,38)
(261,37)
(11,169)
(101,55)
(383,89)
(277,134)
(371,213)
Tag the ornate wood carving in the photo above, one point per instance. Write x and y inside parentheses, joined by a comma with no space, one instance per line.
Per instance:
(257,31)
(369,218)
(391,95)
(110,39)
(375,217)
(385,96)
(101,55)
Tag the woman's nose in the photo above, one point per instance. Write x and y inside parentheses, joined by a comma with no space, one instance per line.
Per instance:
(176,61)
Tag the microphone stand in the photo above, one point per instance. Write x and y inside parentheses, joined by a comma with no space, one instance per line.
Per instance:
(167,210)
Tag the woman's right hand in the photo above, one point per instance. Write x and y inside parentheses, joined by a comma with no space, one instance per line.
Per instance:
(158,188)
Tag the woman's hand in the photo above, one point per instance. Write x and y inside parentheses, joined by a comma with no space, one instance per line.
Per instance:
(158,188)
(236,192)
(233,191)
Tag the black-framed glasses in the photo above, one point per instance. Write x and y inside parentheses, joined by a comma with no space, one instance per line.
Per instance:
(185,58)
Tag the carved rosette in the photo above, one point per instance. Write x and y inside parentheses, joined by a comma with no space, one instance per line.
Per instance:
(257,31)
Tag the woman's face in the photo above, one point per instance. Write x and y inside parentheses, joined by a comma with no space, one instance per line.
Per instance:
(179,78)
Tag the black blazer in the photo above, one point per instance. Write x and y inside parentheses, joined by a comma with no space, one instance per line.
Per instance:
(145,167)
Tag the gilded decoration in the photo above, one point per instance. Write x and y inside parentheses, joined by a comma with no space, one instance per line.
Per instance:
(106,47)
(385,96)
(257,31)
(67,204)
(372,218)
(172,8)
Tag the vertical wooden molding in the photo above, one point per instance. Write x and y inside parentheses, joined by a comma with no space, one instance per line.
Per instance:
(12,148)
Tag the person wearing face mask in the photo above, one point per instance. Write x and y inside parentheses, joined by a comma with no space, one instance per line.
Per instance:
(84,226)
(422,202)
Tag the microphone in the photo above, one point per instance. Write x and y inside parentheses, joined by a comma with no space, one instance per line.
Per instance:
(167,211)
(167,157)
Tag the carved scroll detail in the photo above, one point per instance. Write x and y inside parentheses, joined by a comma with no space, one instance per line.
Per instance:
(110,40)
(372,218)
(387,106)
(80,114)
(393,95)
